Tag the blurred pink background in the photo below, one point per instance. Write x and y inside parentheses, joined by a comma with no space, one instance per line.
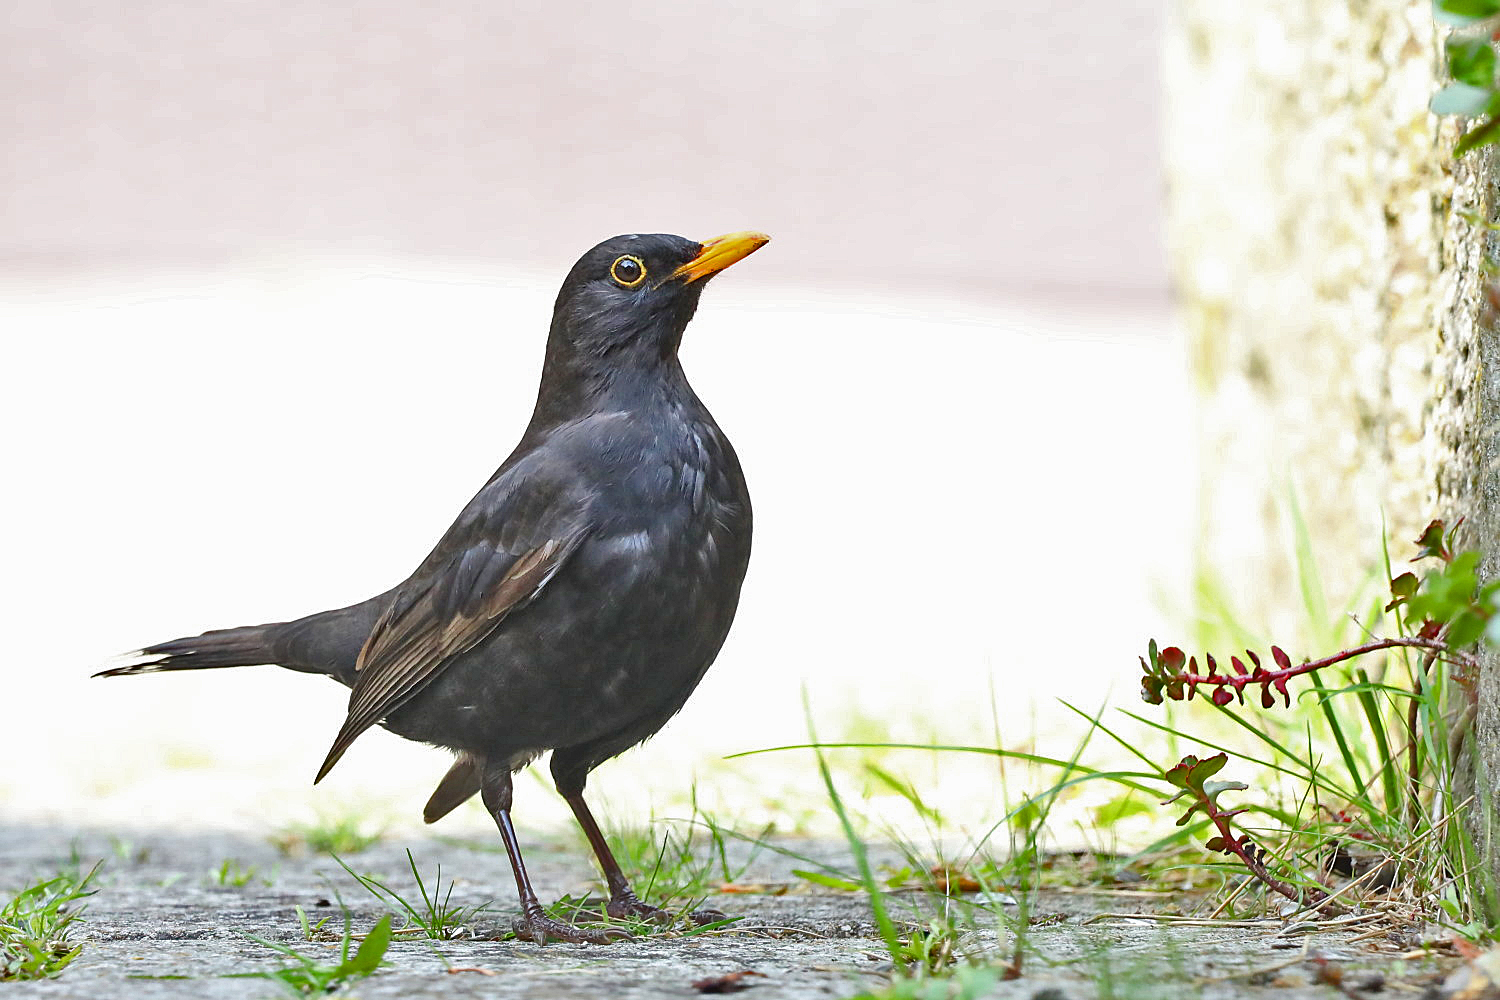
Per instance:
(275,280)
(975,149)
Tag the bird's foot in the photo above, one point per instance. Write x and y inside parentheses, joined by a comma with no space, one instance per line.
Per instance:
(534,925)
(707,916)
(629,907)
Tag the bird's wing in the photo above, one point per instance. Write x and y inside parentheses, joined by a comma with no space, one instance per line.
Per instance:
(503,549)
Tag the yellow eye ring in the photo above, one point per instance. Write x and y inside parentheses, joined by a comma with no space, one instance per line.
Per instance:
(628,271)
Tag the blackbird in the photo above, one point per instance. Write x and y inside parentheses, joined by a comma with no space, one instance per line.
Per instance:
(579,597)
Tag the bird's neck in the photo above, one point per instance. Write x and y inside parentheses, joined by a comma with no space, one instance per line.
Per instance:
(631,379)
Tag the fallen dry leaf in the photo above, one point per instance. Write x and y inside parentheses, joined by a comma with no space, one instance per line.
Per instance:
(1479,979)
(951,880)
(731,983)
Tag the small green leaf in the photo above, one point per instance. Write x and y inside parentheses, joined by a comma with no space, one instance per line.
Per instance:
(1465,628)
(1118,808)
(1028,815)
(1431,542)
(1472,61)
(1403,588)
(828,881)
(1192,772)
(1464,12)
(371,950)
(1465,564)
(1213,789)
(1460,99)
(1483,135)
(900,877)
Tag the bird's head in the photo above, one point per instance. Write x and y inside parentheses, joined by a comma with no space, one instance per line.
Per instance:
(632,296)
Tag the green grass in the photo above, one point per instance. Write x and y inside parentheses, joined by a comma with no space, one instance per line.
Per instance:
(308,976)
(35,925)
(966,983)
(431,912)
(233,874)
(1365,758)
(342,835)
(311,931)
(1375,739)
(587,910)
(935,908)
(675,864)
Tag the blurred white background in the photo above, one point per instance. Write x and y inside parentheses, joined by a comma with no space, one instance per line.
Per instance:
(276,281)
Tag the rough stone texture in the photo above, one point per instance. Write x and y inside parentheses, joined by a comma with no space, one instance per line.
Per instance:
(1307,210)
(158,914)
(1466,401)
(1332,260)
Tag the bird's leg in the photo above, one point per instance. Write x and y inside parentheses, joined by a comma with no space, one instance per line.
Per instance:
(623,902)
(533,924)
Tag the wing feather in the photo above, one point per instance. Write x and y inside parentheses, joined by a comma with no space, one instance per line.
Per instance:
(508,543)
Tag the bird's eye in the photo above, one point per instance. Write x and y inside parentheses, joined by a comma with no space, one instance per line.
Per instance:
(628,271)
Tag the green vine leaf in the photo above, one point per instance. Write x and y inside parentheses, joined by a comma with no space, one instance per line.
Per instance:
(1472,61)
(1486,134)
(1460,99)
(1433,544)
(1464,12)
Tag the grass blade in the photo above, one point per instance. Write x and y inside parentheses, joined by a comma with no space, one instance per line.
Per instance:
(873,890)
(1388,781)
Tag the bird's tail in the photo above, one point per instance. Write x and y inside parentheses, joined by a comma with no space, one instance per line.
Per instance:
(456,788)
(229,647)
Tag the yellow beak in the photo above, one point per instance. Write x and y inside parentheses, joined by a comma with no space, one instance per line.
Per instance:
(719,252)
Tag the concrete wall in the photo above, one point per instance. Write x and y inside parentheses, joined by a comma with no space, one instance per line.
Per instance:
(1336,268)
(1307,232)
(1466,400)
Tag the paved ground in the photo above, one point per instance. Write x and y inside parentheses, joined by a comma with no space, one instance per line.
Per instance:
(159,912)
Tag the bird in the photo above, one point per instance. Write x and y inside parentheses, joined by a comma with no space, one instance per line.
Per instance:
(579,597)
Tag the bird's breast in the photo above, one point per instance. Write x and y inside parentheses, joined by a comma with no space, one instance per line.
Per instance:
(676,515)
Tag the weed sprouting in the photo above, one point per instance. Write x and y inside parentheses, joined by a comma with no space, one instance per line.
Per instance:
(993,879)
(232,873)
(35,924)
(675,864)
(310,931)
(340,835)
(1361,757)
(1397,729)
(968,982)
(308,976)
(435,914)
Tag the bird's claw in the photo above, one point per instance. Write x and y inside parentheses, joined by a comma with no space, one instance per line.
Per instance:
(541,928)
(630,908)
(701,917)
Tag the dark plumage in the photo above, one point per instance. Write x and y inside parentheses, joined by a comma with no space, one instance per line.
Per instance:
(580,596)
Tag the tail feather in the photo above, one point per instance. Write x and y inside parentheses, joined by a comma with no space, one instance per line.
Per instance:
(456,788)
(230,647)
